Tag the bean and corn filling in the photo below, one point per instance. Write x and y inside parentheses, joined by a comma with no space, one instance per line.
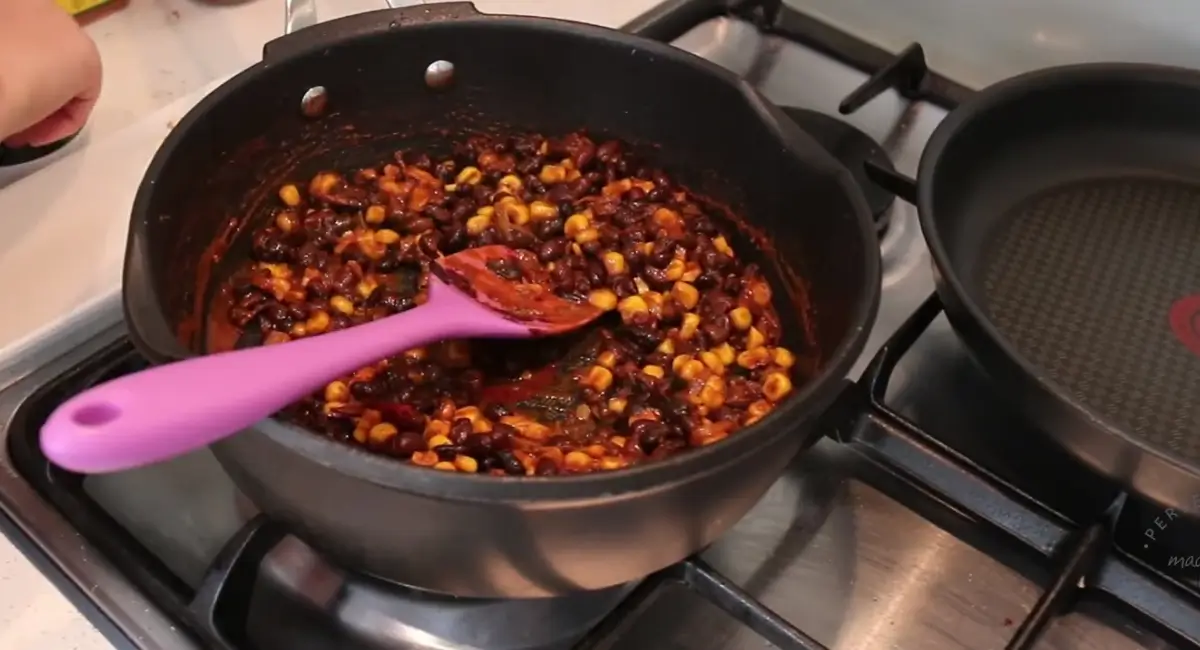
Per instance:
(689,353)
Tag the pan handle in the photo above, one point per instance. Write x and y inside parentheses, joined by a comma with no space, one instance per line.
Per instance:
(302,32)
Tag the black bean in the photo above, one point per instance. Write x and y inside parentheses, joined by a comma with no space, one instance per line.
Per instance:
(408,443)
(510,464)
(459,431)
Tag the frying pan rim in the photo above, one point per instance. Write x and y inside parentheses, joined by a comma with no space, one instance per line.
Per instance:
(801,408)
(986,100)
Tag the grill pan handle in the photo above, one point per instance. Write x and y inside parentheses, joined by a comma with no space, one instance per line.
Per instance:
(302,32)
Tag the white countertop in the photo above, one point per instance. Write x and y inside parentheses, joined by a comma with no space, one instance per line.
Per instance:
(68,220)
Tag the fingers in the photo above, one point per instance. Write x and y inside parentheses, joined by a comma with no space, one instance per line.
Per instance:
(63,123)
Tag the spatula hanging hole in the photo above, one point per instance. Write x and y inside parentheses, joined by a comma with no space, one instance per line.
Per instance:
(95,415)
(439,74)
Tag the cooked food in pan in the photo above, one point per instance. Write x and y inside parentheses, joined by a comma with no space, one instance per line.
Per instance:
(688,355)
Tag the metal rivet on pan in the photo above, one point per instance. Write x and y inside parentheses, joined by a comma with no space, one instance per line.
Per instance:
(314,101)
(439,74)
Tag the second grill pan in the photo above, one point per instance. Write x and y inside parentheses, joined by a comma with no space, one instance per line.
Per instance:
(1062,210)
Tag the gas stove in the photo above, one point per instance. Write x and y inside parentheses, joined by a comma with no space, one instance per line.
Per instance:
(929,516)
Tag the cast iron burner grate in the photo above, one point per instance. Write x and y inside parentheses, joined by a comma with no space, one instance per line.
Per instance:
(1087,550)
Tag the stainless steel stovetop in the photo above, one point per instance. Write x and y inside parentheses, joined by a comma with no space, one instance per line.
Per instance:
(855,552)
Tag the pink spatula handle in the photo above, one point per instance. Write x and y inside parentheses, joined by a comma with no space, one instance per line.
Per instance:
(172,409)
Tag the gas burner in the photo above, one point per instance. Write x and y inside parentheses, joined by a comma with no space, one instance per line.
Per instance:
(854,149)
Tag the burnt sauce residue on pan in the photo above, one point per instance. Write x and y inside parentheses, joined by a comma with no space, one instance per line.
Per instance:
(687,355)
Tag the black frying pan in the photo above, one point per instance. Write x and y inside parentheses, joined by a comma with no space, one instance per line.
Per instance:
(465,534)
(1062,209)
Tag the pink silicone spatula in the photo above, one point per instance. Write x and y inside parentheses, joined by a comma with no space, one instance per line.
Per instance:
(175,408)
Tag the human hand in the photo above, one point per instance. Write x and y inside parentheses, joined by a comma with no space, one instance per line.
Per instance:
(49,73)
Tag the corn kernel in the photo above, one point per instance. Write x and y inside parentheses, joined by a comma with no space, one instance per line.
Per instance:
(299,330)
(760,293)
(513,210)
(679,362)
(756,411)
(617,188)
(654,371)
(290,195)
(285,222)
(552,174)
(466,464)
(365,288)
(691,271)
(577,460)
(754,339)
(342,304)
(712,362)
(576,224)
(511,184)
(387,236)
(486,211)
(323,183)
(608,359)
(687,328)
(381,433)
(665,218)
(635,305)
(755,358)
(528,428)
(424,458)
(587,235)
(437,441)
(337,391)
(471,413)
(375,215)
(360,433)
(435,428)
(741,318)
(317,323)
(783,357)
(674,269)
(450,188)
(541,211)
(445,466)
(614,263)
(712,394)
(617,405)
(654,300)
(685,294)
(610,463)
(275,338)
(666,347)
(468,176)
(478,223)
(690,370)
(603,299)
(597,377)
(722,246)
(725,353)
(776,386)
(370,417)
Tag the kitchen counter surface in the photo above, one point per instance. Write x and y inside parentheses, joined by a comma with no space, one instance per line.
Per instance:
(160,57)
